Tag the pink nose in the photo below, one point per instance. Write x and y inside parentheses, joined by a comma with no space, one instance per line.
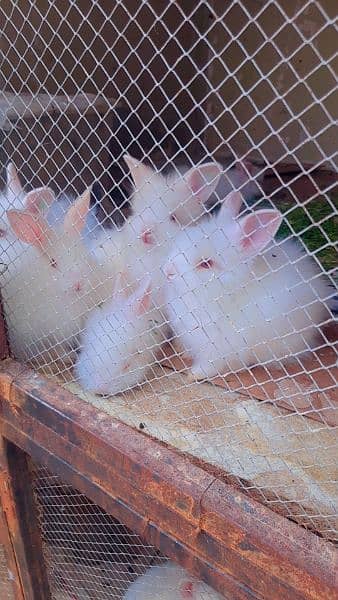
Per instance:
(77,286)
(170,271)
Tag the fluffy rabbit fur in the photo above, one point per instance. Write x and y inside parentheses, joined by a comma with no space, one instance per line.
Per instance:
(169,582)
(159,211)
(233,304)
(120,342)
(48,292)
(13,197)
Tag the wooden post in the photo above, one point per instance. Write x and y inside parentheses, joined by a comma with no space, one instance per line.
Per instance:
(21,517)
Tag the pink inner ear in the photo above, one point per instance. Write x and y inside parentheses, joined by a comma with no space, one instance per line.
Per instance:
(29,228)
(195,182)
(142,304)
(187,589)
(258,229)
(76,216)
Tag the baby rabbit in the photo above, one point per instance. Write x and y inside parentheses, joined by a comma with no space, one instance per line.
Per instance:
(143,243)
(14,197)
(182,194)
(169,582)
(120,341)
(49,291)
(233,305)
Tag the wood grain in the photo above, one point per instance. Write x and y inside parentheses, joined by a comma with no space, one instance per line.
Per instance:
(239,546)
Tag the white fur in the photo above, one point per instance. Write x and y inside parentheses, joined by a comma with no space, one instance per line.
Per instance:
(250,307)
(169,582)
(92,231)
(120,343)
(161,206)
(48,292)
(11,197)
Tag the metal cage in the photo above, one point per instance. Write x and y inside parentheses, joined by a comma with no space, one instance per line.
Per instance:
(169,288)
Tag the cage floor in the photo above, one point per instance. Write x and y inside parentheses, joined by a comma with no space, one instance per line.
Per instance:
(285,460)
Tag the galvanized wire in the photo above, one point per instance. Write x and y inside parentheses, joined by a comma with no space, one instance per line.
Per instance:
(232,82)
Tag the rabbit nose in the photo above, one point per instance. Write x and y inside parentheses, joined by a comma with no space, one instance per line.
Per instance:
(77,286)
(170,271)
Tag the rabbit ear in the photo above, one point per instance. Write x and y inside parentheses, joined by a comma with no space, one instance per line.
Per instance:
(29,228)
(14,187)
(121,288)
(257,230)
(231,206)
(39,199)
(141,300)
(76,215)
(203,180)
(140,172)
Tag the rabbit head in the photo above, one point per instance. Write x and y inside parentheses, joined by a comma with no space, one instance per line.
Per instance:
(220,247)
(13,197)
(61,256)
(179,198)
(118,342)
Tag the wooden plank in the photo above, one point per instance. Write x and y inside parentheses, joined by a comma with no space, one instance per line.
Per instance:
(307,387)
(186,504)
(13,586)
(19,507)
(23,106)
(4,348)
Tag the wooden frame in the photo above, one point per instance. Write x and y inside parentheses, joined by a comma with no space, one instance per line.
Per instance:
(240,547)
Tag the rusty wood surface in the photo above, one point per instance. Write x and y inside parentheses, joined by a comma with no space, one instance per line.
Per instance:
(20,512)
(14,581)
(308,387)
(4,348)
(182,509)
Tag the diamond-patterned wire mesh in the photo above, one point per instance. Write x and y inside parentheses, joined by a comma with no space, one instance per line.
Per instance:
(251,85)
(6,590)
(90,555)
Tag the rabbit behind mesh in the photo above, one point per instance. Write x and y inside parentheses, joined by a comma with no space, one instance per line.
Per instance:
(159,212)
(49,291)
(169,582)
(120,341)
(13,197)
(243,176)
(233,302)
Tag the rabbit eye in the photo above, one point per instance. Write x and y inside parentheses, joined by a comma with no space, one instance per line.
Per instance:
(3,233)
(53,263)
(173,218)
(206,264)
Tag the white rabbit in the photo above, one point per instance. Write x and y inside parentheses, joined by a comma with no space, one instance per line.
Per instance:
(233,305)
(143,243)
(243,176)
(48,292)
(169,582)
(13,196)
(92,230)
(183,194)
(120,342)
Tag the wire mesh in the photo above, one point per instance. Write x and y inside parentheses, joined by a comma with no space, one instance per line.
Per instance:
(214,97)
(90,555)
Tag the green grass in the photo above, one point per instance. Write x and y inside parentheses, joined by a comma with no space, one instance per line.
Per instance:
(302,221)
